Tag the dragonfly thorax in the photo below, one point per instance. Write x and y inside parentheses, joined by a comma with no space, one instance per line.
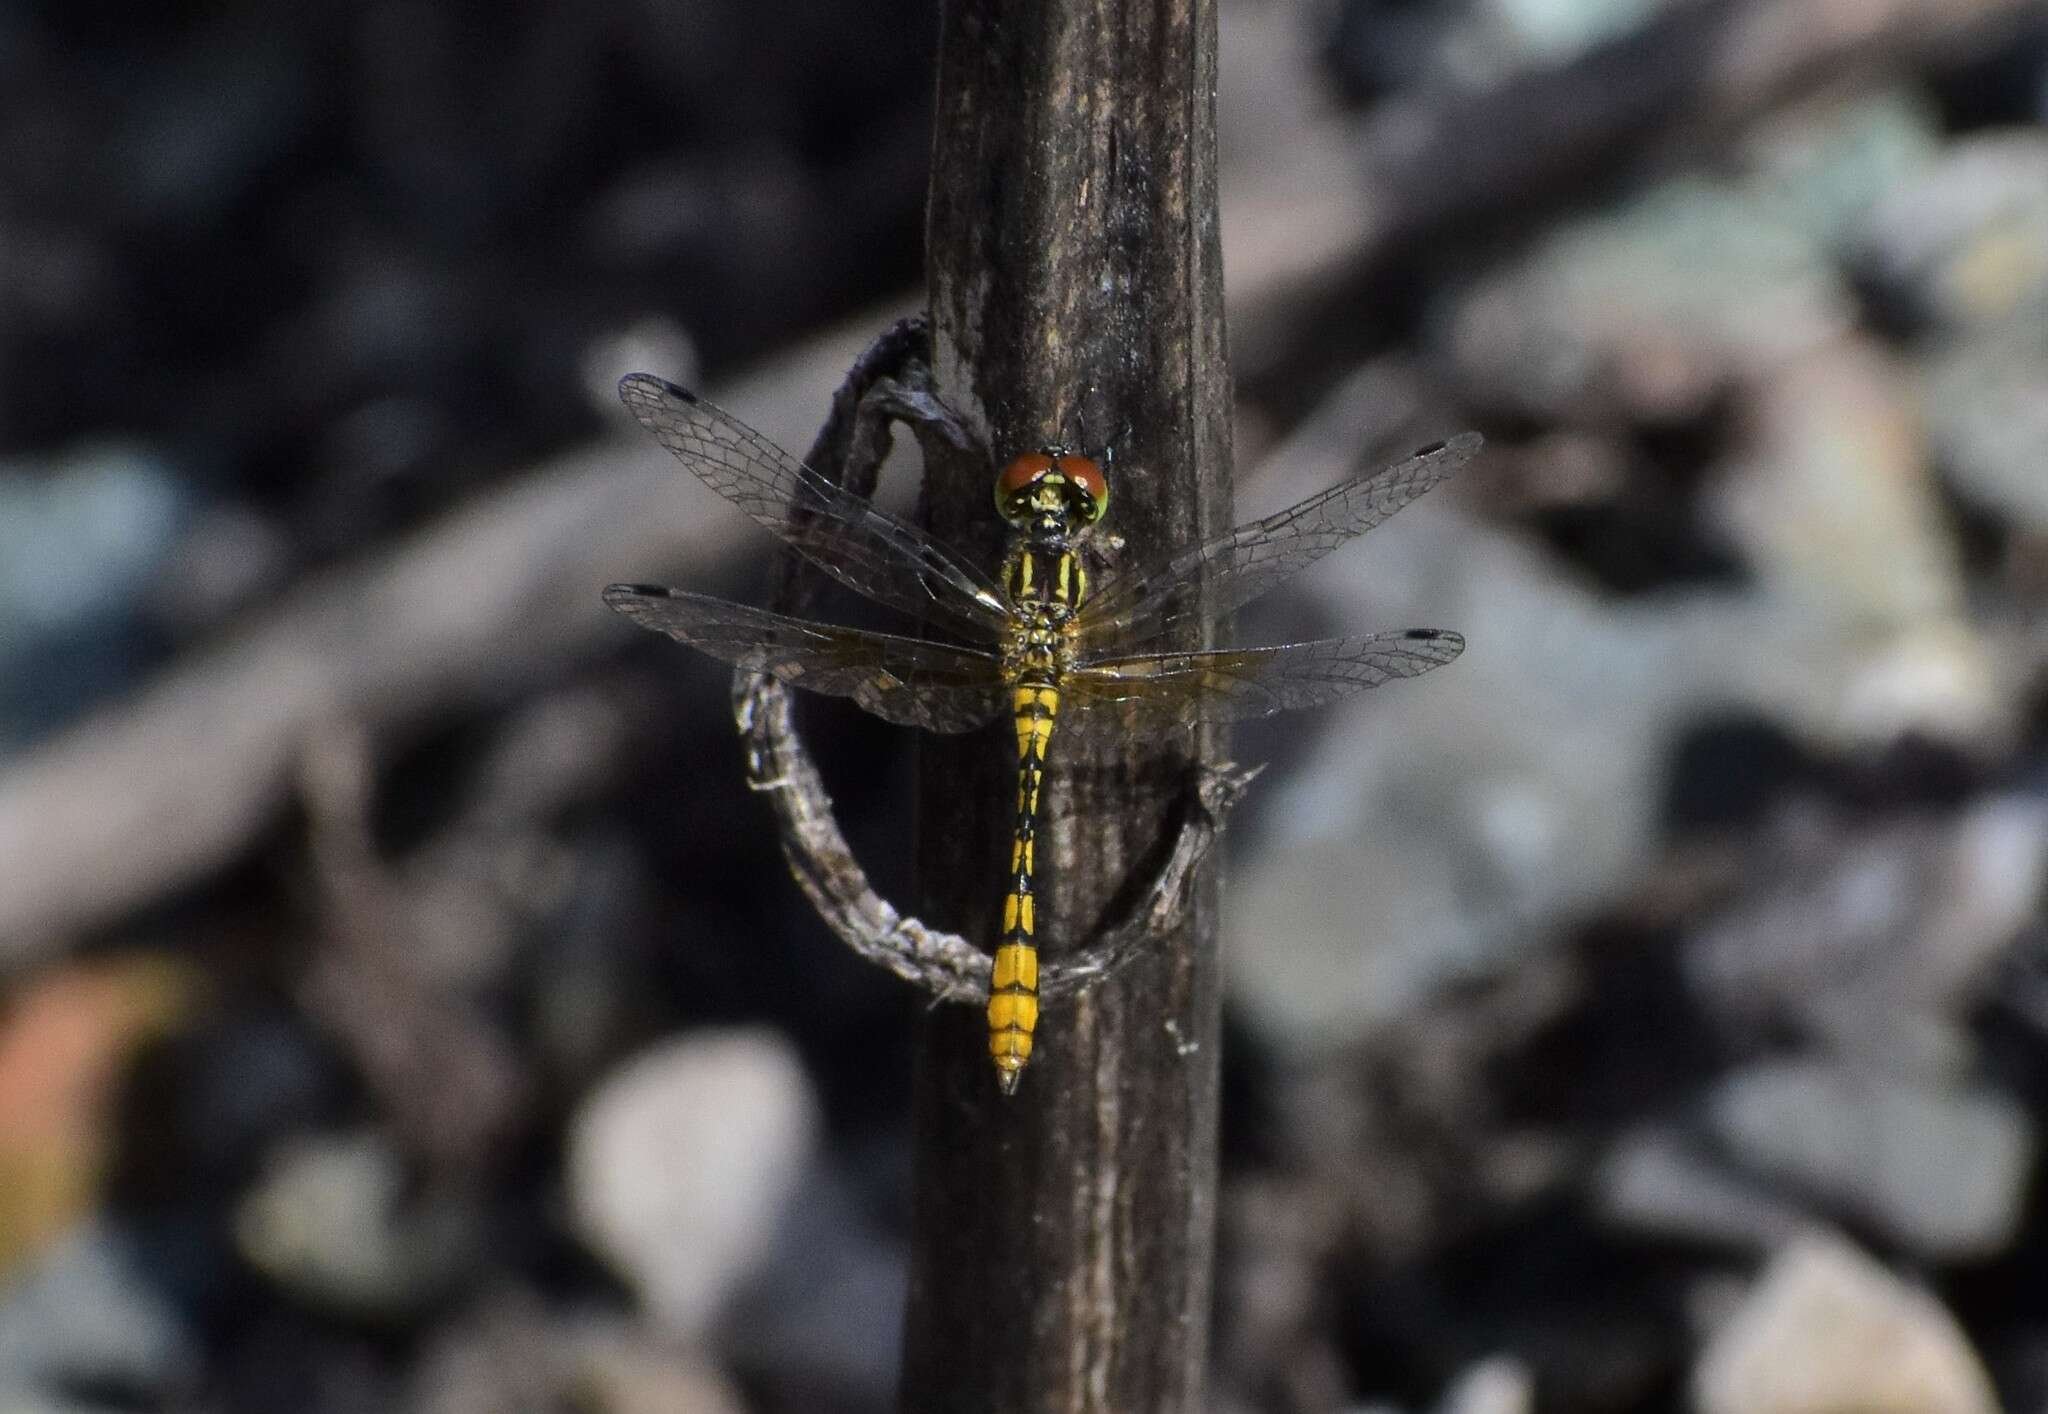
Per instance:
(1038,653)
(1046,584)
(1045,580)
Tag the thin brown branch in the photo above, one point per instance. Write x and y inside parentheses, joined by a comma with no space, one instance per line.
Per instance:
(1062,1238)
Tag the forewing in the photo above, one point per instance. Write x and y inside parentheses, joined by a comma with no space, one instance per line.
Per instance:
(1240,683)
(1244,563)
(909,681)
(868,550)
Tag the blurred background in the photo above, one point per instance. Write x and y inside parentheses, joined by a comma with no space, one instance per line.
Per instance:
(403,1005)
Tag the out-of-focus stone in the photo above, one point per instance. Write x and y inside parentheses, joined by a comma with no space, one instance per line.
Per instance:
(1651,309)
(824,1306)
(81,534)
(33,1401)
(503,1357)
(213,118)
(634,1377)
(1831,497)
(83,538)
(332,1221)
(1548,32)
(1939,1171)
(1987,413)
(1443,828)
(1653,1181)
(1966,244)
(1827,1329)
(1834,504)
(1498,1385)
(87,1317)
(1822,167)
(513,1355)
(1877,939)
(64,1040)
(1993,884)
(681,1166)
(1648,311)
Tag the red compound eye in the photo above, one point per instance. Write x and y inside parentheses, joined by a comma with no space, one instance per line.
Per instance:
(1019,474)
(1085,473)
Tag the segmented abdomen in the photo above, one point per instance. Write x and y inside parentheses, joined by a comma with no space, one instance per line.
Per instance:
(1013,989)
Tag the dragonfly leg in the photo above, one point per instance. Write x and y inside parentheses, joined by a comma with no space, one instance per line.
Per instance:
(1013,986)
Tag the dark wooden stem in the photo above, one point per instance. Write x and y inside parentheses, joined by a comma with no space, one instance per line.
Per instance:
(1063,1237)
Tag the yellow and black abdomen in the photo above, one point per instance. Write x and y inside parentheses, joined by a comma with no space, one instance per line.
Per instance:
(1035,703)
(1013,989)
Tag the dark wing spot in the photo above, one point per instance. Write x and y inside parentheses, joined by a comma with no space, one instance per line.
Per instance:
(672,389)
(613,593)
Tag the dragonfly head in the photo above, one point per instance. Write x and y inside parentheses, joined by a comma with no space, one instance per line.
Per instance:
(1052,491)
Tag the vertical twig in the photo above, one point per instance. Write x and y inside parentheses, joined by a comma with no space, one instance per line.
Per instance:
(1063,1237)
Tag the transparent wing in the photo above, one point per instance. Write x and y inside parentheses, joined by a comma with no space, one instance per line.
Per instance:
(869,551)
(909,681)
(1244,563)
(1235,684)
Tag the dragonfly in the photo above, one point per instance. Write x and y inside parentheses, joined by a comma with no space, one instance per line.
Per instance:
(1039,640)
